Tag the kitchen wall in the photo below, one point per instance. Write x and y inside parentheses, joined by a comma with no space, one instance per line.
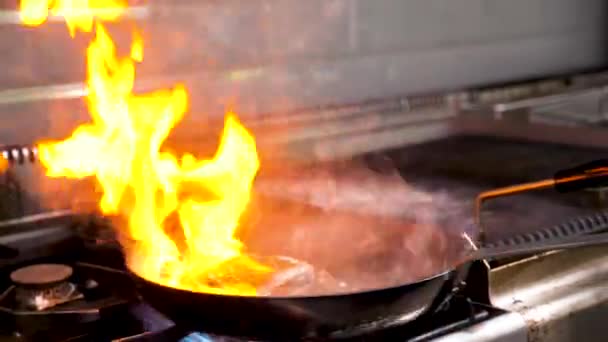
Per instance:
(301,53)
(274,55)
(271,56)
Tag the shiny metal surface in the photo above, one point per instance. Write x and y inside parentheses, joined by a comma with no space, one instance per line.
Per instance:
(339,51)
(544,101)
(562,296)
(509,327)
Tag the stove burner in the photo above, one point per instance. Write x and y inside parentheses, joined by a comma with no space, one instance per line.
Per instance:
(41,275)
(43,286)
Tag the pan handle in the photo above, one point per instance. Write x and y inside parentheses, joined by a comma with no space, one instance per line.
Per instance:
(489,253)
(589,175)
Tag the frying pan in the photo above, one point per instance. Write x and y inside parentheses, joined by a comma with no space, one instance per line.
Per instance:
(343,315)
(326,316)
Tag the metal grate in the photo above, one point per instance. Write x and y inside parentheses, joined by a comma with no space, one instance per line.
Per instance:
(589,224)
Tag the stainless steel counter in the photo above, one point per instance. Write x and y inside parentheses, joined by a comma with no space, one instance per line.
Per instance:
(561,296)
(509,327)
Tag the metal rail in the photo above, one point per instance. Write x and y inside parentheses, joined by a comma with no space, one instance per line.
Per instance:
(13,17)
(527,187)
(548,100)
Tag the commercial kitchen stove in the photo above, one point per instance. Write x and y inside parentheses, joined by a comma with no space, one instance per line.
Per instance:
(558,296)
(76,289)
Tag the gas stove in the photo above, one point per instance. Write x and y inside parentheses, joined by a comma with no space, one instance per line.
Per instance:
(62,277)
(77,289)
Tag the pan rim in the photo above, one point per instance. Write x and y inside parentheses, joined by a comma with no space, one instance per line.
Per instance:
(445,273)
(466,257)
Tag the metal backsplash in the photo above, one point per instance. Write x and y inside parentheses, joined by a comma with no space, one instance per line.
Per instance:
(270,55)
(327,78)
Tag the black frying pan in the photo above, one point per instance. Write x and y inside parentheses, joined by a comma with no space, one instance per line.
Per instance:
(341,315)
(328,316)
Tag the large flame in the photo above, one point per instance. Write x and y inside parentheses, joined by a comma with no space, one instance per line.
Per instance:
(121,147)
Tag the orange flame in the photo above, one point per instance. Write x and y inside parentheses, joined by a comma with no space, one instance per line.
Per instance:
(78,14)
(121,148)
(3,164)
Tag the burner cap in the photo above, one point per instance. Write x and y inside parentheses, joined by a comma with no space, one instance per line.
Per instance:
(41,275)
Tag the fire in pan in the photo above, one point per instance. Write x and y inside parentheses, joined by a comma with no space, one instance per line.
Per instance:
(412,267)
(344,314)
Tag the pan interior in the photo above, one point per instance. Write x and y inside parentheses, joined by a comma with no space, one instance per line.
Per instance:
(327,250)
(337,253)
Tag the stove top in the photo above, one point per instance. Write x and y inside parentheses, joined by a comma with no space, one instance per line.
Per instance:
(107,307)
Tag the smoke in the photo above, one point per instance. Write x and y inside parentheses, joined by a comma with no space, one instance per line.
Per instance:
(357,228)
(80,196)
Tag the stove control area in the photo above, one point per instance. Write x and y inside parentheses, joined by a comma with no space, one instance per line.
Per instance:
(561,295)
